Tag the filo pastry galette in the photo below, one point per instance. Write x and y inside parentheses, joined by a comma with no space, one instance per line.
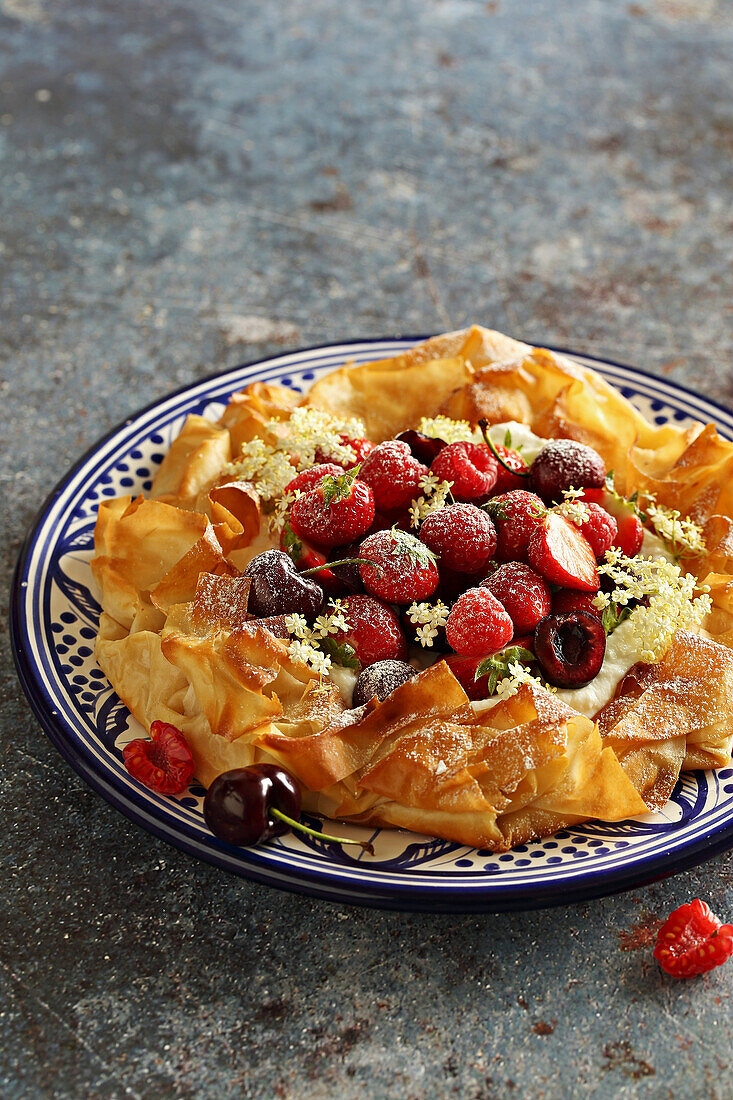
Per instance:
(469,591)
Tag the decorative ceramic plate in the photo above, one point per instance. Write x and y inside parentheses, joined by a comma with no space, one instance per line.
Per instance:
(54,621)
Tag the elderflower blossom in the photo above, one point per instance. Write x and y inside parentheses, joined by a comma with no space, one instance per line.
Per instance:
(577,511)
(267,470)
(518,676)
(297,625)
(329,624)
(442,427)
(670,603)
(277,518)
(684,536)
(435,494)
(428,618)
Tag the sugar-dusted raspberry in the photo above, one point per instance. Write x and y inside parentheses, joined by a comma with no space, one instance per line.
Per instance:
(397,567)
(393,475)
(565,464)
(380,680)
(164,763)
(308,479)
(560,553)
(478,625)
(523,594)
(566,599)
(469,467)
(374,631)
(361,448)
(516,516)
(630,532)
(600,529)
(461,535)
(692,940)
(337,511)
(506,481)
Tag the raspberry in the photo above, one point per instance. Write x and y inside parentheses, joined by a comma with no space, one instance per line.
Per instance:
(630,533)
(163,764)
(524,596)
(308,479)
(462,536)
(478,625)
(403,568)
(338,510)
(568,600)
(561,554)
(601,530)
(565,464)
(464,670)
(517,515)
(692,940)
(374,631)
(361,447)
(393,475)
(505,481)
(470,467)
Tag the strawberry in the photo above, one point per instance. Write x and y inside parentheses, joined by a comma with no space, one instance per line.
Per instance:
(692,940)
(630,533)
(337,511)
(505,480)
(361,448)
(397,567)
(566,599)
(308,479)
(464,670)
(561,554)
(517,515)
(523,595)
(478,625)
(374,631)
(164,763)
(306,556)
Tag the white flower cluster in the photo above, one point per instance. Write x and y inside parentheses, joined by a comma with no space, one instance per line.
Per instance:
(518,675)
(683,535)
(435,493)
(452,431)
(305,646)
(669,595)
(307,436)
(577,511)
(428,618)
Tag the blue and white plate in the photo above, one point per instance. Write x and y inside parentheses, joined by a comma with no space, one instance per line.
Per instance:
(54,621)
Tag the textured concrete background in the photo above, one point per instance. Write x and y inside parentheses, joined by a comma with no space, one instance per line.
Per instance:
(187,185)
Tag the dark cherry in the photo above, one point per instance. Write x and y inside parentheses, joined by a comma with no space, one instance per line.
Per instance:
(248,805)
(348,577)
(570,648)
(238,803)
(565,464)
(381,679)
(423,447)
(278,589)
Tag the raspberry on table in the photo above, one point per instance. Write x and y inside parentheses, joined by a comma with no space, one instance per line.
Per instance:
(692,941)
(374,631)
(523,594)
(600,529)
(565,464)
(309,479)
(393,475)
(164,763)
(478,625)
(462,536)
(397,567)
(516,515)
(337,511)
(471,469)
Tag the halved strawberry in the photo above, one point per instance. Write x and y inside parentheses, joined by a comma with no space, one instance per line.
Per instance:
(630,530)
(561,554)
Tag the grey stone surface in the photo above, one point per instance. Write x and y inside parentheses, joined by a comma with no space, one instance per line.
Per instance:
(188,185)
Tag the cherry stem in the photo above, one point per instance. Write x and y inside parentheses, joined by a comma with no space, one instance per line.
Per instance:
(333,564)
(365,844)
(484,426)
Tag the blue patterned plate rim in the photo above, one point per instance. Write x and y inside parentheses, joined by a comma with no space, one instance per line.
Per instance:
(344,882)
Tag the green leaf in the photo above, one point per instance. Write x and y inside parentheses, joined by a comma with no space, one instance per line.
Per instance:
(335,488)
(291,543)
(341,653)
(507,438)
(416,551)
(497,666)
(613,616)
